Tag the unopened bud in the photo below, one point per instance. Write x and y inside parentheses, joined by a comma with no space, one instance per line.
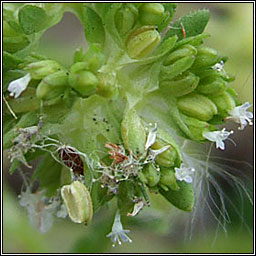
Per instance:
(171,156)
(151,174)
(151,13)
(40,69)
(212,85)
(181,52)
(224,102)
(206,57)
(142,42)
(197,106)
(180,85)
(125,19)
(84,82)
(107,84)
(133,132)
(52,85)
(167,178)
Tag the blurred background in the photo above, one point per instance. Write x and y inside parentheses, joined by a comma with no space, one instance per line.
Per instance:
(160,228)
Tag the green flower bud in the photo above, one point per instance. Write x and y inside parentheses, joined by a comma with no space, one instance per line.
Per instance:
(78,202)
(107,85)
(197,106)
(168,179)
(205,57)
(79,66)
(177,68)
(52,86)
(151,13)
(196,127)
(84,82)
(212,85)
(133,132)
(142,42)
(209,73)
(178,61)
(92,60)
(181,52)
(181,85)
(151,175)
(94,57)
(224,102)
(125,19)
(40,69)
(171,156)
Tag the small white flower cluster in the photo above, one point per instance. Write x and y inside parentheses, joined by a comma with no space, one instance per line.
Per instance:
(41,213)
(239,115)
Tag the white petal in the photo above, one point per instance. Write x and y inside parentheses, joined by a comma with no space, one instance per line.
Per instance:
(151,137)
(17,86)
(188,179)
(220,144)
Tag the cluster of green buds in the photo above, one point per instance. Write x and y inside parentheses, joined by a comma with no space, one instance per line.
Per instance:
(194,76)
(91,122)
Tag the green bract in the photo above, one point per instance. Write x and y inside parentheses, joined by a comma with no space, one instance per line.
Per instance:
(121,111)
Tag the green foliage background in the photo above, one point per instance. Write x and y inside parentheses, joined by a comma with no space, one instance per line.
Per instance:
(231,29)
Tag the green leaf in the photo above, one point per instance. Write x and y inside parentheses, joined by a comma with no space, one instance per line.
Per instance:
(126,192)
(183,198)
(48,172)
(170,8)
(94,30)
(99,195)
(32,19)
(10,61)
(193,24)
(14,44)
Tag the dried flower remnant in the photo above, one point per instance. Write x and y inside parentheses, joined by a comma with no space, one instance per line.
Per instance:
(71,159)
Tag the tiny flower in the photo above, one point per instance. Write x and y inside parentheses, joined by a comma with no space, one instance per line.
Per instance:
(17,86)
(241,116)
(219,66)
(184,173)
(118,234)
(218,137)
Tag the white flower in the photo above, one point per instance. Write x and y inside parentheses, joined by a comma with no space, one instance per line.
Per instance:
(241,116)
(218,137)
(17,86)
(41,215)
(184,173)
(219,66)
(118,234)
